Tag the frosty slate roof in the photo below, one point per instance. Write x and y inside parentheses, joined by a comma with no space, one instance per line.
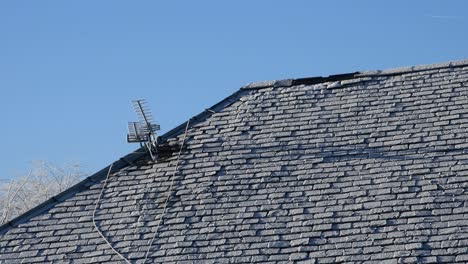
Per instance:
(364,167)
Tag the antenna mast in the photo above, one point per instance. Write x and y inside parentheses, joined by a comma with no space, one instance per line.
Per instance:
(143,131)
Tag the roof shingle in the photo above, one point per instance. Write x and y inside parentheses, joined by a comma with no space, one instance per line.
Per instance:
(364,167)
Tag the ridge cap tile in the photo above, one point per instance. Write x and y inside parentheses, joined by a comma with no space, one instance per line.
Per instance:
(359,74)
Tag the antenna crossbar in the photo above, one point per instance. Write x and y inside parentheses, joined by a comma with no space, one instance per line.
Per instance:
(143,131)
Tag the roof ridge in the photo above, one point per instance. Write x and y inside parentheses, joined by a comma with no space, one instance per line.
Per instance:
(417,68)
(354,75)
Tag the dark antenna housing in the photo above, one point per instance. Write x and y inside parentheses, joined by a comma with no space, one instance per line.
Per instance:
(143,131)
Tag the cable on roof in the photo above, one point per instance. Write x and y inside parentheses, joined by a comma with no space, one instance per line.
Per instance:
(169,194)
(94,217)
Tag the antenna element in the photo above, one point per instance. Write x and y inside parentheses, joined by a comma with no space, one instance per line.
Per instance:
(143,131)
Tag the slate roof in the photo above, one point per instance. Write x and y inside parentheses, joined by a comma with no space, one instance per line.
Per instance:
(364,167)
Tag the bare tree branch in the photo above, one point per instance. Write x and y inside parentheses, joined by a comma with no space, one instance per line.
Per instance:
(7,210)
(43,181)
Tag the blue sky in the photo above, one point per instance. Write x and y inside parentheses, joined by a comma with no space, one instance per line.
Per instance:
(69,69)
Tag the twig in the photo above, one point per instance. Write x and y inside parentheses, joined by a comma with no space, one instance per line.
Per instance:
(8,207)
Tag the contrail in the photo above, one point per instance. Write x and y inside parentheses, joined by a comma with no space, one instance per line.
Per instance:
(445,17)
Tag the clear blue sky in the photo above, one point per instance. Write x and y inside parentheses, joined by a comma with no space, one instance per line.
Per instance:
(68,69)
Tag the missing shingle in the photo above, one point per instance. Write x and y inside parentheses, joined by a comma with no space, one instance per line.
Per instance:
(166,150)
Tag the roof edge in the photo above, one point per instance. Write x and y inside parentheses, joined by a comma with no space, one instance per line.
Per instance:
(417,68)
(300,81)
(96,177)
(117,165)
(203,115)
(354,75)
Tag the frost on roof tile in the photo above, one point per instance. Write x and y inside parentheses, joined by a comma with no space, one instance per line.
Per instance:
(371,170)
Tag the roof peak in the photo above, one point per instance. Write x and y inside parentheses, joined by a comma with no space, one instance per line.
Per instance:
(359,74)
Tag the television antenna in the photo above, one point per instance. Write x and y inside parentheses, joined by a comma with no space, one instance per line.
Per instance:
(143,131)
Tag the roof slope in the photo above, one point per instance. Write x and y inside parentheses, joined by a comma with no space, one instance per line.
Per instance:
(365,167)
